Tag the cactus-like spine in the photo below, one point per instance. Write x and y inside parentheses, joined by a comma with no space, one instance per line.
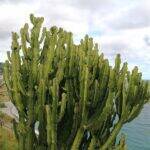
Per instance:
(70,90)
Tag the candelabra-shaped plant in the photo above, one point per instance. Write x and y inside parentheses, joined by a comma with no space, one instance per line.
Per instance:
(79,100)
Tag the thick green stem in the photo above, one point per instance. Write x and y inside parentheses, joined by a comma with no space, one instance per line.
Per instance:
(78,139)
(112,136)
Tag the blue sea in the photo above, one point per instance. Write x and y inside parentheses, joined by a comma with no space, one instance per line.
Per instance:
(138,131)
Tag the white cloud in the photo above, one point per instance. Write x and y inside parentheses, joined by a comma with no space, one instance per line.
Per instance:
(118,26)
(136,17)
(12,18)
(130,44)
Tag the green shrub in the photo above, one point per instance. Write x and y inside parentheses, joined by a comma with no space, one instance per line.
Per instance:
(1,68)
(7,139)
(2,105)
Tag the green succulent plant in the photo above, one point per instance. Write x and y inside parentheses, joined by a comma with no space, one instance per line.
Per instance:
(78,98)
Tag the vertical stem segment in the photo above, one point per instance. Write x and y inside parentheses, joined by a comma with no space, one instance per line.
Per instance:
(78,139)
(112,136)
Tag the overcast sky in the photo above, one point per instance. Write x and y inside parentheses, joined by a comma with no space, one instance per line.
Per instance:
(119,26)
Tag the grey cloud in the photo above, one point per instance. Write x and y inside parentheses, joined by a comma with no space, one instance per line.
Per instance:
(13,1)
(6,27)
(147,40)
(57,9)
(115,47)
(5,45)
(4,34)
(112,49)
(136,17)
(96,5)
(127,53)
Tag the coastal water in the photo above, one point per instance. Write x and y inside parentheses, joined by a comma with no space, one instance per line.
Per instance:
(138,131)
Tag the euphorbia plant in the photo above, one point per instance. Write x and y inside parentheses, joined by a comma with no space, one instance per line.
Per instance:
(78,98)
